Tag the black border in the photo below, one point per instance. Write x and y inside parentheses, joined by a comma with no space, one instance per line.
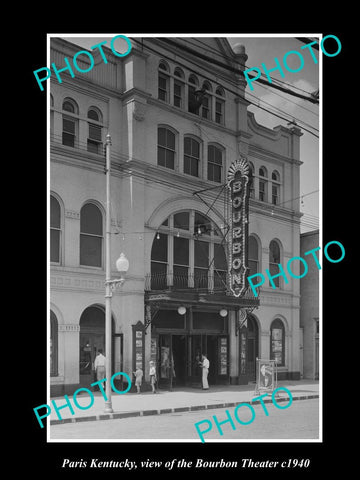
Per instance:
(39,456)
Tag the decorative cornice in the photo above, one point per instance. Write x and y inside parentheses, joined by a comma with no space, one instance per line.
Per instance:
(69,328)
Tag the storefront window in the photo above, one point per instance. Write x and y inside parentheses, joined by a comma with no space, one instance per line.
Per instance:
(277,342)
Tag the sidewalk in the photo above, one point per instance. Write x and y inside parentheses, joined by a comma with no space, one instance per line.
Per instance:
(178,400)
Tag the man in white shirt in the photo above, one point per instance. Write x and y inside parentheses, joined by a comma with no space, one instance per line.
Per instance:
(205,371)
(99,365)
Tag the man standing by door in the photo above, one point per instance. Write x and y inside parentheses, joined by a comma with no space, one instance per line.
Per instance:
(99,365)
(205,364)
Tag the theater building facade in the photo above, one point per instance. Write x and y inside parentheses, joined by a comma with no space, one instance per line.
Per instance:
(179,123)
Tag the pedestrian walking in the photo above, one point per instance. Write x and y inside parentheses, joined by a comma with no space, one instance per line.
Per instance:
(153,379)
(205,364)
(99,365)
(138,379)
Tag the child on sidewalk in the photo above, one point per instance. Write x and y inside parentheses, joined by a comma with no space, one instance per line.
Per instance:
(138,379)
(152,373)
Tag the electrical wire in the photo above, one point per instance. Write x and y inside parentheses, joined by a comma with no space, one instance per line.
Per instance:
(221,55)
(236,70)
(236,94)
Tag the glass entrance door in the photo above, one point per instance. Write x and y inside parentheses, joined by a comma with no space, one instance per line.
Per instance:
(196,348)
(165,371)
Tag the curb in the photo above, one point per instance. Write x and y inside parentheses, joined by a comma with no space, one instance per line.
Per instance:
(192,408)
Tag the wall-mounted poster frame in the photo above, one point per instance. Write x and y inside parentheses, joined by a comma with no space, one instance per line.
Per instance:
(138,346)
(266,376)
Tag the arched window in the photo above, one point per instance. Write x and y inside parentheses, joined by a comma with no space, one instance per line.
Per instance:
(179,86)
(186,253)
(206,101)
(263,184)
(70,106)
(274,261)
(70,122)
(253,261)
(275,188)
(193,105)
(94,141)
(219,106)
(277,342)
(55,230)
(91,235)
(215,164)
(163,82)
(166,148)
(191,156)
(53,344)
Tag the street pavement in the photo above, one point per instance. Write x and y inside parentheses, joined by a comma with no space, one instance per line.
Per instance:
(298,422)
(165,402)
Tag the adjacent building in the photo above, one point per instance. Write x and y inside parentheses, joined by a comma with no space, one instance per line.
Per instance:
(309,312)
(178,118)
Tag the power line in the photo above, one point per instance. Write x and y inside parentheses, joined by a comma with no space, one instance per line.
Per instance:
(213,50)
(162,55)
(236,70)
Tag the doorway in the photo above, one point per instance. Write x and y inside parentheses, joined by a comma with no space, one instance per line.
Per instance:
(179,352)
(252,348)
(179,357)
(203,344)
(92,339)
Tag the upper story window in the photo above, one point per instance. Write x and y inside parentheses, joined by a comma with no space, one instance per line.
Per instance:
(179,88)
(55,230)
(253,261)
(263,184)
(91,235)
(70,122)
(193,105)
(215,164)
(252,183)
(164,82)
(275,187)
(191,156)
(188,254)
(206,102)
(219,106)
(166,148)
(197,96)
(94,142)
(274,261)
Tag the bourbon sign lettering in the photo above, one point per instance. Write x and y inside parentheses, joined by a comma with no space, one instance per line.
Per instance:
(238,183)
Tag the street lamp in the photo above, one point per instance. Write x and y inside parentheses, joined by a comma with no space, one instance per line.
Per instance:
(122,265)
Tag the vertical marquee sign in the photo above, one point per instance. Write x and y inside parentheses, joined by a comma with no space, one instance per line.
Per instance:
(238,183)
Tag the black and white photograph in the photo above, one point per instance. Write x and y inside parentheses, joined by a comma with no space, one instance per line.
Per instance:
(184,185)
(186,254)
